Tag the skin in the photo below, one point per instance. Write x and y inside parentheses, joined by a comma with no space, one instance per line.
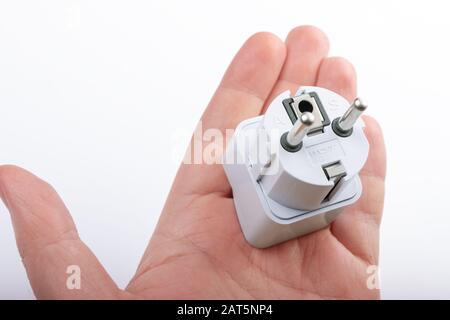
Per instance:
(198,250)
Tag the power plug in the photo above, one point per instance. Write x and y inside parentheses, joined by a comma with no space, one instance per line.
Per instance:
(295,168)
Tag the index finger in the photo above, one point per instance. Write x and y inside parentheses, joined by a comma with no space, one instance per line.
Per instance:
(241,95)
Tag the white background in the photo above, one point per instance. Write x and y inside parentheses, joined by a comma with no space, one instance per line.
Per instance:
(90,89)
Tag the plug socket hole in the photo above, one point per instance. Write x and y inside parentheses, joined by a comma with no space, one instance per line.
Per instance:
(305,106)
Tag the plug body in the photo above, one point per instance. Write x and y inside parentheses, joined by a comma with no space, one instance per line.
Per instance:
(283,188)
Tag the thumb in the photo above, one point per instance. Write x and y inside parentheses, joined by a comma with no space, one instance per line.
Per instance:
(59,265)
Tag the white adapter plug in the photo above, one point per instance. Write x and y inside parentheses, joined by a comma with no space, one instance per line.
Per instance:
(294,169)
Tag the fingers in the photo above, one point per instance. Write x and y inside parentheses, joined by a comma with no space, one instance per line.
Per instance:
(373,174)
(307,46)
(48,241)
(241,95)
(247,83)
(357,228)
(376,164)
(338,75)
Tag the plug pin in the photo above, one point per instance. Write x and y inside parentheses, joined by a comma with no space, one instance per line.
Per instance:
(300,128)
(343,126)
(292,140)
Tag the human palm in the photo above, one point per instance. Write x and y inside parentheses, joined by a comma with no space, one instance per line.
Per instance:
(197,249)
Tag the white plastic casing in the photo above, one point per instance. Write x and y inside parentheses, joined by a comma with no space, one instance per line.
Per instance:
(279,195)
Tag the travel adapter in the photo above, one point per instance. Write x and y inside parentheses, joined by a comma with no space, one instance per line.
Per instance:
(294,169)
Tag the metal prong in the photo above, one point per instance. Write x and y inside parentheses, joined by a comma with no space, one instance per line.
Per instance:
(347,121)
(300,129)
(334,172)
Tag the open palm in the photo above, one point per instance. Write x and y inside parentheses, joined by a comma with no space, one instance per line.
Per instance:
(197,249)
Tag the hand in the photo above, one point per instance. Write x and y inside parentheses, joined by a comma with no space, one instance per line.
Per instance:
(197,249)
